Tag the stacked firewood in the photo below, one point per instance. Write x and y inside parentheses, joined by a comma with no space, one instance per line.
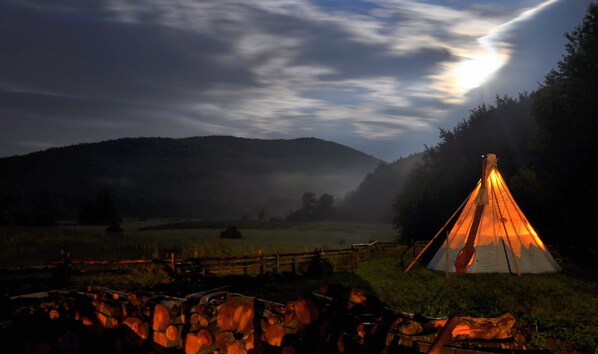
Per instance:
(334,319)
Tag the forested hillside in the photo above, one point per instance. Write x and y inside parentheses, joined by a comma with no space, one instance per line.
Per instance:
(207,177)
(373,199)
(546,145)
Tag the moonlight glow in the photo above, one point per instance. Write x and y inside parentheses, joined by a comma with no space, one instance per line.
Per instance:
(471,73)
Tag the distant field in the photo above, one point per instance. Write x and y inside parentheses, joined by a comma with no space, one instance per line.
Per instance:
(36,246)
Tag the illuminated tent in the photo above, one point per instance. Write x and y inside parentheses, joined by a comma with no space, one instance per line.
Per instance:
(491,234)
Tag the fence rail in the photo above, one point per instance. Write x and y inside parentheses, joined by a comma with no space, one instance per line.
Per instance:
(62,271)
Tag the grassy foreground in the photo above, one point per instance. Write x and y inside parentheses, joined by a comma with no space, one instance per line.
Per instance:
(557,311)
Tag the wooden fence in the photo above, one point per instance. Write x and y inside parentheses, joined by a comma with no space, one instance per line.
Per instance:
(65,271)
(256,264)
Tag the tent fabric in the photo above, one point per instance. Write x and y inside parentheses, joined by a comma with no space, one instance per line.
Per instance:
(505,241)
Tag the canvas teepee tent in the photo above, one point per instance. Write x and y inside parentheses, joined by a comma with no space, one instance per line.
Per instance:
(492,234)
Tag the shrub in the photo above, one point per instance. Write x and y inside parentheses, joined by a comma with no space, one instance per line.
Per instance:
(231,232)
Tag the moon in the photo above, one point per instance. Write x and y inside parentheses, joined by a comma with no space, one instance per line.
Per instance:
(473,72)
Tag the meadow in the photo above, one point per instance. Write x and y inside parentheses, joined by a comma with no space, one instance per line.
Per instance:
(558,312)
(37,246)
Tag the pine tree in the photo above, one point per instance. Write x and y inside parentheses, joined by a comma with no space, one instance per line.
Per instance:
(566,109)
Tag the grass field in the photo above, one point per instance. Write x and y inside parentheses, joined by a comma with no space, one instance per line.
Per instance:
(556,311)
(36,246)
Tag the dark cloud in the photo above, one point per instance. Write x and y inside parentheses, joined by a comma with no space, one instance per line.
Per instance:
(353,71)
(55,106)
(80,54)
(330,45)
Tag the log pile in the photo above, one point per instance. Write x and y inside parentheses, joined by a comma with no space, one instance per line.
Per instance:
(334,319)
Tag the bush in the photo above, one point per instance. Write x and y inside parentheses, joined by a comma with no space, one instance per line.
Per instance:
(231,232)
(114,229)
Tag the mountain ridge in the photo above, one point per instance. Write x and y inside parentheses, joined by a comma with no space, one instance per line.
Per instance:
(188,139)
(208,177)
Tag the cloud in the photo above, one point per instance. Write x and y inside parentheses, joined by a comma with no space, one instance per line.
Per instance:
(354,71)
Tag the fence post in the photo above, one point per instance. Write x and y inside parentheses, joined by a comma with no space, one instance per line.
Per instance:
(63,271)
(294,266)
(413,244)
(277,270)
(204,263)
(172,261)
(261,260)
(245,264)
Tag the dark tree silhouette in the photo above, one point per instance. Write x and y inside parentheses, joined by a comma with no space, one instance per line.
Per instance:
(314,209)
(309,201)
(566,109)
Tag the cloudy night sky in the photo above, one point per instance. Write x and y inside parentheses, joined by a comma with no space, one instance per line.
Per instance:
(381,76)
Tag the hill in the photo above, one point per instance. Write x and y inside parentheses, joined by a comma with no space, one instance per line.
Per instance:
(207,177)
(373,199)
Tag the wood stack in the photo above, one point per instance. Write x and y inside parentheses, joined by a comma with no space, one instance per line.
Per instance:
(335,319)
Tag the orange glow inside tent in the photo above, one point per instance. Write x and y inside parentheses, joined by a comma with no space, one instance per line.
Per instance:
(503,239)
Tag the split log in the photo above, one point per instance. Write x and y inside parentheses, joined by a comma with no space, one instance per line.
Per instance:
(173,333)
(86,321)
(199,320)
(412,327)
(166,313)
(108,307)
(170,338)
(236,348)
(445,334)
(231,345)
(272,323)
(108,311)
(54,314)
(273,335)
(160,339)
(140,328)
(471,328)
(289,313)
(195,342)
(306,310)
(243,318)
(236,315)
(162,317)
(106,321)
(356,297)
(225,319)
